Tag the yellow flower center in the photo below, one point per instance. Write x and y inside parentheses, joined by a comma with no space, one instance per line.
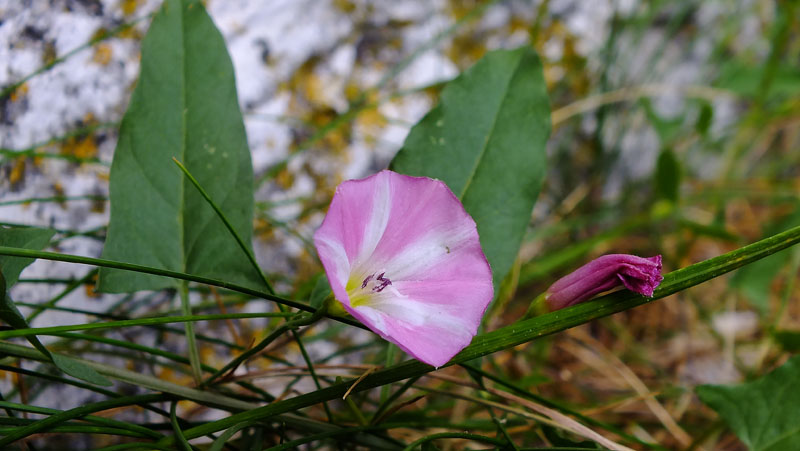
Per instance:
(360,292)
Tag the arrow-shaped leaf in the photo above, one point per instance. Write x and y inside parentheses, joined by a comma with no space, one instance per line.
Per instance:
(184,106)
(486,140)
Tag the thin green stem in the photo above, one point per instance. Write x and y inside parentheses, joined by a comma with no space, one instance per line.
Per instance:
(252,259)
(244,247)
(525,331)
(57,199)
(130,446)
(290,325)
(176,427)
(79,412)
(54,256)
(69,289)
(191,340)
(391,353)
(100,421)
(474,370)
(501,427)
(53,330)
(461,435)
(384,406)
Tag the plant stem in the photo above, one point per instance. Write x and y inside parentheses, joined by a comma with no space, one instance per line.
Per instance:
(524,331)
(191,341)
(54,256)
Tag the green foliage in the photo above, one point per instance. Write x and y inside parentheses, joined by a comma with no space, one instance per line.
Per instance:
(763,413)
(321,290)
(486,140)
(26,238)
(187,110)
(667,129)
(704,118)
(522,331)
(789,340)
(754,280)
(10,268)
(668,176)
(746,79)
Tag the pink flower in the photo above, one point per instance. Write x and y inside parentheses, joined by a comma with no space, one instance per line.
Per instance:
(403,257)
(638,274)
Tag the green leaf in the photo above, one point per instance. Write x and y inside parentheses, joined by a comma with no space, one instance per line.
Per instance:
(668,176)
(486,140)
(754,281)
(322,289)
(27,238)
(789,340)
(184,106)
(762,413)
(668,129)
(78,370)
(704,118)
(745,79)
(10,268)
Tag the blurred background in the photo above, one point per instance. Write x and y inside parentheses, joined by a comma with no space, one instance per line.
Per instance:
(676,131)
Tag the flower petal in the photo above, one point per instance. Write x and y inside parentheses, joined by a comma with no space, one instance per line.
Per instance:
(432,332)
(403,256)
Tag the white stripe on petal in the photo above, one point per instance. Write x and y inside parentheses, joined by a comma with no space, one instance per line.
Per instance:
(380,211)
(336,255)
(391,305)
(426,252)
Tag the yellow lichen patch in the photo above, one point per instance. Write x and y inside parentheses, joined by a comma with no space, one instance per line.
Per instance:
(284,178)
(20,92)
(168,374)
(345,6)
(206,353)
(129,6)
(352,91)
(80,147)
(307,267)
(263,229)
(311,86)
(17,174)
(58,191)
(338,139)
(49,53)
(372,122)
(517,24)
(306,83)
(98,206)
(102,54)
(460,8)
(130,33)
(89,288)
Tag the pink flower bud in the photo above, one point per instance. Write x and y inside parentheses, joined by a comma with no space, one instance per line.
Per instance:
(638,274)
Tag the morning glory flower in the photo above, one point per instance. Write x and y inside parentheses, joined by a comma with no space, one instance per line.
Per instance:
(638,274)
(403,257)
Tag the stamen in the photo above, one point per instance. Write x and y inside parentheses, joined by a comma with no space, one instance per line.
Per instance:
(385,282)
(366,280)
